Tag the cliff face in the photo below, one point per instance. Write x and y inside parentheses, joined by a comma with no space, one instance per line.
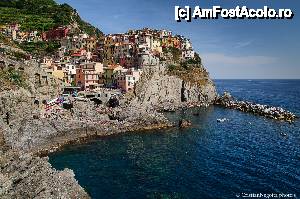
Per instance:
(23,82)
(26,176)
(23,175)
(161,88)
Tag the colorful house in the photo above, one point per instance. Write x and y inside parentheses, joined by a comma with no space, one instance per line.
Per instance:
(88,75)
(70,73)
(127,79)
(91,44)
(110,73)
(147,59)
(58,72)
(188,54)
(56,34)
(165,33)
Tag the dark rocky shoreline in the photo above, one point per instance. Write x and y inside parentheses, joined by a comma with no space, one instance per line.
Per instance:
(85,135)
(30,176)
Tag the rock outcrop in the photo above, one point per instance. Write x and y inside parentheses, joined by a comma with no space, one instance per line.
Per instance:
(26,131)
(184,123)
(27,176)
(163,90)
(23,174)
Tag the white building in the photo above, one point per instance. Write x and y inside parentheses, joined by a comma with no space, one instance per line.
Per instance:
(147,59)
(70,72)
(186,44)
(188,54)
(165,33)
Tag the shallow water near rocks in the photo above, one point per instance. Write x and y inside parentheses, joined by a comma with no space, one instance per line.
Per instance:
(244,155)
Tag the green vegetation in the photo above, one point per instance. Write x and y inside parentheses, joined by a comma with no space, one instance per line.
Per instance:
(6,40)
(172,67)
(41,15)
(41,48)
(176,53)
(10,77)
(190,71)
(18,55)
(196,76)
(198,59)
(185,65)
(28,21)
(196,62)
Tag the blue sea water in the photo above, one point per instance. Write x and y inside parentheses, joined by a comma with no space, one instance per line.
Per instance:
(245,155)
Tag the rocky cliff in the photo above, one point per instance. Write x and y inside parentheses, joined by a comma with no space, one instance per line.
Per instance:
(22,174)
(24,134)
(162,88)
(27,176)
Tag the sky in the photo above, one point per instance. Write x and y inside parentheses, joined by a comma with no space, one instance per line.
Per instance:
(230,49)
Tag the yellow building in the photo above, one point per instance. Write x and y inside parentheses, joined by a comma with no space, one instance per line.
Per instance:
(167,42)
(57,72)
(110,73)
(156,45)
(91,44)
(176,42)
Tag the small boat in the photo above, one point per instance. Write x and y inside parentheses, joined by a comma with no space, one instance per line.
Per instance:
(222,120)
(283,134)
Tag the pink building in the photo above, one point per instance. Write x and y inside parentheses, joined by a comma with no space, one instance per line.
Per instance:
(127,80)
(88,75)
(56,34)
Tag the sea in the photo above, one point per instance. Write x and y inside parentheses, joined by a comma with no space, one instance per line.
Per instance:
(246,156)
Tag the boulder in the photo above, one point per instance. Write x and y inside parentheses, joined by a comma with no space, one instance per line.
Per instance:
(184,123)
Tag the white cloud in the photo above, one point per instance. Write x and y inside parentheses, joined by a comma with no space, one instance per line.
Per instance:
(219,58)
(243,44)
(117,16)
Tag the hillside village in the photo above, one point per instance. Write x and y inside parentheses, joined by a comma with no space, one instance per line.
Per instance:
(113,61)
(63,81)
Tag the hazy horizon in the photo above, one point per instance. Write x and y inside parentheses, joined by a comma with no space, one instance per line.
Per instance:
(230,49)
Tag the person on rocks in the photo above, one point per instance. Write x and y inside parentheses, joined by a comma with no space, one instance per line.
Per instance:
(36,102)
(7,118)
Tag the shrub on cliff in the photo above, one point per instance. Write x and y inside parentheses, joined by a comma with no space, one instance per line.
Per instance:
(40,47)
(10,78)
(171,67)
(176,53)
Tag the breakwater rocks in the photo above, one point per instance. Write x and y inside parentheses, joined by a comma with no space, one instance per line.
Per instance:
(276,113)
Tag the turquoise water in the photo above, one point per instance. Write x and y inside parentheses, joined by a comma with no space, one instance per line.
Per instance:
(247,154)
